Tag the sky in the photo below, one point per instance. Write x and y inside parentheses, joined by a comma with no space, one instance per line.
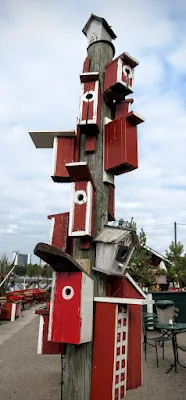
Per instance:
(42,49)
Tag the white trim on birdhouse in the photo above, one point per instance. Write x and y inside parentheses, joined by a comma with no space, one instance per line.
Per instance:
(45,139)
(120,300)
(107,177)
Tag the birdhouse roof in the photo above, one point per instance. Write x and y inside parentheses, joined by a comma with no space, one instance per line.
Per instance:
(103,22)
(134,283)
(110,234)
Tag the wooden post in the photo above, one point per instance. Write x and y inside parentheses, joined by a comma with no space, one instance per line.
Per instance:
(77,377)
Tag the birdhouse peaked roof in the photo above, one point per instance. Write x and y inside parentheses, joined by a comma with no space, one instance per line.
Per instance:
(133,282)
(103,22)
(110,234)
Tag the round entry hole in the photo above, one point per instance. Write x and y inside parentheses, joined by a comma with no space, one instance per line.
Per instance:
(68,291)
(89,96)
(80,197)
(127,71)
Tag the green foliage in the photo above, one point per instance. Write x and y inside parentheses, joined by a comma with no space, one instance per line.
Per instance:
(20,270)
(46,271)
(4,269)
(32,270)
(177,271)
(140,264)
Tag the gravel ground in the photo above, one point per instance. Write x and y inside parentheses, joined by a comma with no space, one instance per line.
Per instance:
(157,385)
(26,376)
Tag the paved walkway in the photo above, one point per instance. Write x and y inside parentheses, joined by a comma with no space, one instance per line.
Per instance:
(26,376)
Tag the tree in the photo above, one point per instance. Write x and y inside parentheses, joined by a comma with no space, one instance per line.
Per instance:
(176,271)
(4,269)
(32,270)
(140,267)
(46,271)
(20,270)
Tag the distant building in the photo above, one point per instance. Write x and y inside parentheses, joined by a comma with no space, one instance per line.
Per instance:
(22,259)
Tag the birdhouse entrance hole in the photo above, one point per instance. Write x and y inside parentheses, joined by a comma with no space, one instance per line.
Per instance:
(68,292)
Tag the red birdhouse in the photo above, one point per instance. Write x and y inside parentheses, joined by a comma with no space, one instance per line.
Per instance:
(59,232)
(81,221)
(90,103)
(71,305)
(63,152)
(119,77)
(117,353)
(44,346)
(71,311)
(120,144)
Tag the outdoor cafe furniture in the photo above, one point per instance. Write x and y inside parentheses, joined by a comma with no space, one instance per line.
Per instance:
(171,331)
(150,321)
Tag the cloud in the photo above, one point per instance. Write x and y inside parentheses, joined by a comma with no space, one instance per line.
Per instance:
(42,53)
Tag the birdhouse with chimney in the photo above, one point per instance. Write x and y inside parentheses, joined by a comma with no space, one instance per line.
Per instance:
(114,248)
(119,78)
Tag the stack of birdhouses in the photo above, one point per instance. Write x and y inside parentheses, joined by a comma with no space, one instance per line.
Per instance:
(117,320)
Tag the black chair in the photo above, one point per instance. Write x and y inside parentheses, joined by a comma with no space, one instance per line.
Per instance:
(150,321)
(178,347)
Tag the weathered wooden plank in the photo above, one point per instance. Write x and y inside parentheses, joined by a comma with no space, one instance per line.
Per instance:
(57,259)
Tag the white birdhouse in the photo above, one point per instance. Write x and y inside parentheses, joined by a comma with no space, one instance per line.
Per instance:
(97,29)
(114,248)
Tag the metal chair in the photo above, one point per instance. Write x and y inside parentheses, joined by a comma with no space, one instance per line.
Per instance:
(150,321)
(178,347)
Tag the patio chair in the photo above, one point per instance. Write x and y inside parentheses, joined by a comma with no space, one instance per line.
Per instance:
(150,321)
(178,347)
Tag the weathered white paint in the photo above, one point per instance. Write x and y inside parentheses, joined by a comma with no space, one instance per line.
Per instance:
(52,223)
(107,177)
(45,139)
(86,312)
(13,312)
(71,213)
(80,193)
(96,31)
(120,328)
(51,305)
(149,305)
(119,300)
(88,217)
(114,361)
(40,336)
(95,109)
(95,95)
(54,156)
(122,68)
(88,221)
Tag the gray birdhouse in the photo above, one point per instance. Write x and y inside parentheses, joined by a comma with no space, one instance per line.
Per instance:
(114,248)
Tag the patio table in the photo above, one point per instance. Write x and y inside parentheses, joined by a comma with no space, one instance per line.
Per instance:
(171,330)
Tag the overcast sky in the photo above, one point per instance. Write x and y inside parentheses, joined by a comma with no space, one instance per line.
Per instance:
(42,50)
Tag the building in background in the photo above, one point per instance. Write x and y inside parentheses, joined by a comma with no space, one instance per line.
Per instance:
(22,259)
